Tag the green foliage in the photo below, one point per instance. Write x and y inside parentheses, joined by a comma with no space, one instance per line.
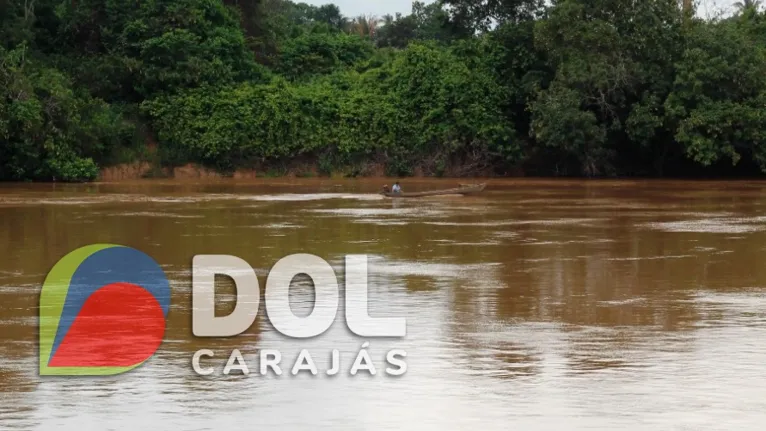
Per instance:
(320,52)
(48,129)
(480,15)
(613,62)
(571,87)
(155,47)
(71,168)
(347,114)
(457,101)
(719,95)
(243,123)
(426,23)
(397,31)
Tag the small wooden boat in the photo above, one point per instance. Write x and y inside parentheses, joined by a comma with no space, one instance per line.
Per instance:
(464,189)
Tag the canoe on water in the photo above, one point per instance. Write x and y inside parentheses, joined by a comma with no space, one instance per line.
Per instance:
(464,189)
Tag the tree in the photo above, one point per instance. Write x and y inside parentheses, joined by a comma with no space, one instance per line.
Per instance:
(613,62)
(330,14)
(49,131)
(319,52)
(574,87)
(688,7)
(482,15)
(155,47)
(741,6)
(364,25)
(433,23)
(396,32)
(716,107)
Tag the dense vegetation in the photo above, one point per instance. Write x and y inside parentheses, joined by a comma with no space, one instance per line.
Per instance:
(577,87)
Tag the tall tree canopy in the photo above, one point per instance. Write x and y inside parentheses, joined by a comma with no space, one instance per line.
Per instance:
(567,87)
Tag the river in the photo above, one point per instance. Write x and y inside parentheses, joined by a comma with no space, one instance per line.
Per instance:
(536,305)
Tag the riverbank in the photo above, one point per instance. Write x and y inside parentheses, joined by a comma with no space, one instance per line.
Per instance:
(190,171)
(141,170)
(299,169)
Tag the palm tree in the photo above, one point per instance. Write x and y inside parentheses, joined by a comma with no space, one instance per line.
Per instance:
(744,5)
(364,25)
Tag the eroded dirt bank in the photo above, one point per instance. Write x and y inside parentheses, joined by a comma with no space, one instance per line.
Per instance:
(138,170)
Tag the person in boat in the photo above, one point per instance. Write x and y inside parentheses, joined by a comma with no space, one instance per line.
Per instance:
(386,189)
(397,188)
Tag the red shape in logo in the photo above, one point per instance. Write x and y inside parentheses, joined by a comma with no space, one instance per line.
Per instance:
(119,325)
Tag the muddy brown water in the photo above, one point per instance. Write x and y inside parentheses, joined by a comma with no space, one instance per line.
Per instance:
(537,305)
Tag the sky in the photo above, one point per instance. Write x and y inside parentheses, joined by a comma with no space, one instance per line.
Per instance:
(369,7)
(382,7)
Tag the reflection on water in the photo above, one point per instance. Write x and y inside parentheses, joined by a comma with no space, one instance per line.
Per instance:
(535,305)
